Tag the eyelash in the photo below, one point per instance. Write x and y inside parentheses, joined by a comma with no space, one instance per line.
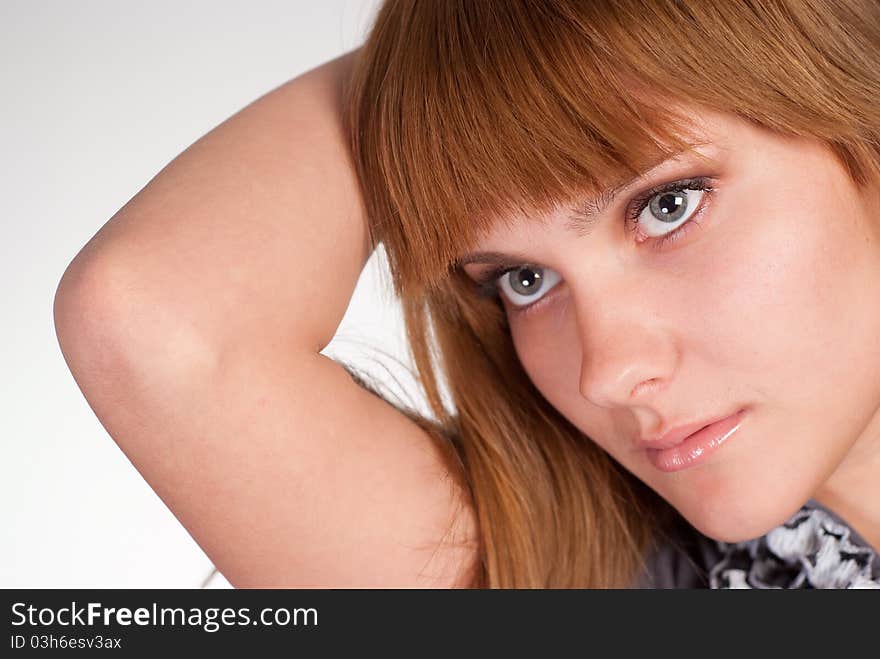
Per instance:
(487,285)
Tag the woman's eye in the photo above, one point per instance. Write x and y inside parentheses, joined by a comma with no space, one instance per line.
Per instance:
(524,285)
(662,212)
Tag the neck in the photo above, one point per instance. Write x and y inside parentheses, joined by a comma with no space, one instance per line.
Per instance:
(853,490)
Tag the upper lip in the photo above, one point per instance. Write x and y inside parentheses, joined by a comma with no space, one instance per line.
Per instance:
(676,435)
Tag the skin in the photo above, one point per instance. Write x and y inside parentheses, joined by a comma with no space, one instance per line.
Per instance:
(771,302)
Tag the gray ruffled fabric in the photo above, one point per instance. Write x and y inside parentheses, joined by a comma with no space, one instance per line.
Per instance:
(814,549)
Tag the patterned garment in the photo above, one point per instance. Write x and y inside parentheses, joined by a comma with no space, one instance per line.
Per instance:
(811,550)
(814,549)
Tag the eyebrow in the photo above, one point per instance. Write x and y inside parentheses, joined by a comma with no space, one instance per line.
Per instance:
(582,219)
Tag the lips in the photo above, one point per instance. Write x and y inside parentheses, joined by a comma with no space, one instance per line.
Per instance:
(698,447)
(678,434)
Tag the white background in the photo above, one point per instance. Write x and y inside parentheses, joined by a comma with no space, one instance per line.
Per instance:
(97,97)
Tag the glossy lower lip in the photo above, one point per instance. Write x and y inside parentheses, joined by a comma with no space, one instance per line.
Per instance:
(696,449)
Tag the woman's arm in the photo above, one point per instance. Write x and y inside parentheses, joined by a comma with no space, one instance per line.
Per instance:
(192,322)
(251,229)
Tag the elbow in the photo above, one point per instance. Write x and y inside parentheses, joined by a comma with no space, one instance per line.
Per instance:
(80,312)
(105,321)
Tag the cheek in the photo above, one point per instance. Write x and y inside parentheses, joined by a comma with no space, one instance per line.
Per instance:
(793,325)
(795,300)
(549,350)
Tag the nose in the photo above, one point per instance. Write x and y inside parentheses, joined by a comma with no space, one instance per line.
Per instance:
(626,358)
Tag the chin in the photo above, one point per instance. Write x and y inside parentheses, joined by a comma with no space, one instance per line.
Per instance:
(731,518)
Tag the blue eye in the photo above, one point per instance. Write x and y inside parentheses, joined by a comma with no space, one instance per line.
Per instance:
(523,285)
(669,207)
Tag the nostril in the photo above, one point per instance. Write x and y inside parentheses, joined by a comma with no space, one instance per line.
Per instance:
(645,387)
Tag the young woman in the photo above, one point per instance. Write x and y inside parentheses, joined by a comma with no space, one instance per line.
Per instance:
(638,242)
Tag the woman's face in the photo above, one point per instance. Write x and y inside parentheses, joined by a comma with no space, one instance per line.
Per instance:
(767,300)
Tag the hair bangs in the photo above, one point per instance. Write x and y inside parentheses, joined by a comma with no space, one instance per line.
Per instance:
(482,111)
(489,132)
